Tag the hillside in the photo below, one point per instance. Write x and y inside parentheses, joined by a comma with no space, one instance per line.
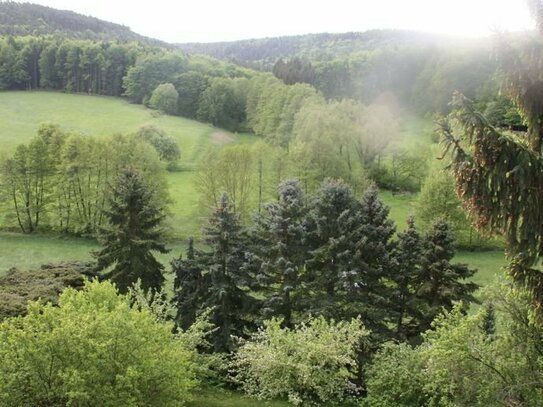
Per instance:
(262,53)
(23,112)
(32,19)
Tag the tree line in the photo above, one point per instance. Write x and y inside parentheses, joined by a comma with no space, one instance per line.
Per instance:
(59,181)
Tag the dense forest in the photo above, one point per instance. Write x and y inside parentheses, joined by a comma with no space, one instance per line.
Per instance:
(33,19)
(300,288)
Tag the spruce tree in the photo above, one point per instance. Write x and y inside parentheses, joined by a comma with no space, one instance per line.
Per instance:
(278,244)
(331,219)
(229,284)
(500,175)
(132,234)
(441,282)
(404,304)
(191,285)
(366,290)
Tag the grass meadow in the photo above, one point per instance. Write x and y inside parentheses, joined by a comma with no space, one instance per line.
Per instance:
(23,112)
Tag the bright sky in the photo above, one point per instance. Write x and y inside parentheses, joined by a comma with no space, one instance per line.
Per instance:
(225,20)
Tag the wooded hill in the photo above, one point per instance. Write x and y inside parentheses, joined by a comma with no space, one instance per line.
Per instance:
(264,52)
(32,19)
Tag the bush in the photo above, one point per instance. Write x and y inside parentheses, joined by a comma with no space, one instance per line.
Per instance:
(310,364)
(489,358)
(396,378)
(18,287)
(94,349)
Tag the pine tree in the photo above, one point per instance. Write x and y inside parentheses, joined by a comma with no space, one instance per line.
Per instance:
(404,304)
(441,283)
(132,235)
(191,285)
(229,284)
(278,245)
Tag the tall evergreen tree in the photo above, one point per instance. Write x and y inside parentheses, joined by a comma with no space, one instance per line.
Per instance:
(191,285)
(228,293)
(366,289)
(441,282)
(331,220)
(404,304)
(500,176)
(278,244)
(132,235)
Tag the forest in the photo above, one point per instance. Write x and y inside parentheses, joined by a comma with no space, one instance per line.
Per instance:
(268,222)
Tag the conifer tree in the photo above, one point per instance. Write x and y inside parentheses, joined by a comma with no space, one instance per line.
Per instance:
(191,285)
(365,284)
(226,275)
(132,235)
(441,282)
(331,219)
(499,175)
(404,304)
(278,245)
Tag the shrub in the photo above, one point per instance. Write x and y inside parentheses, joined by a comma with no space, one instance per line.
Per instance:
(18,287)
(310,364)
(491,357)
(94,349)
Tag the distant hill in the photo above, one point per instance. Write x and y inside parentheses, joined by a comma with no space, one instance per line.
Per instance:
(32,19)
(262,53)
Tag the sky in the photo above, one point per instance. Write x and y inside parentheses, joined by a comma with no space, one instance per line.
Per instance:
(227,20)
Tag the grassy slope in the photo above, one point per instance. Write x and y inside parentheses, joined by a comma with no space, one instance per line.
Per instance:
(22,113)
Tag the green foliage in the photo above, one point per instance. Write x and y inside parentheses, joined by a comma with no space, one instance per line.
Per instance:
(396,378)
(279,252)
(223,103)
(441,283)
(295,70)
(513,166)
(438,200)
(165,98)
(217,280)
(330,228)
(132,234)
(309,364)
(230,170)
(190,85)
(165,145)
(461,363)
(404,304)
(93,349)
(144,77)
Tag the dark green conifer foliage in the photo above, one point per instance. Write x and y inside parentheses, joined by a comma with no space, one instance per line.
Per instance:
(404,304)
(191,285)
(132,235)
(331,219)
(278,245)
(366,288)
(224,268)
(500,175)
(441,283)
